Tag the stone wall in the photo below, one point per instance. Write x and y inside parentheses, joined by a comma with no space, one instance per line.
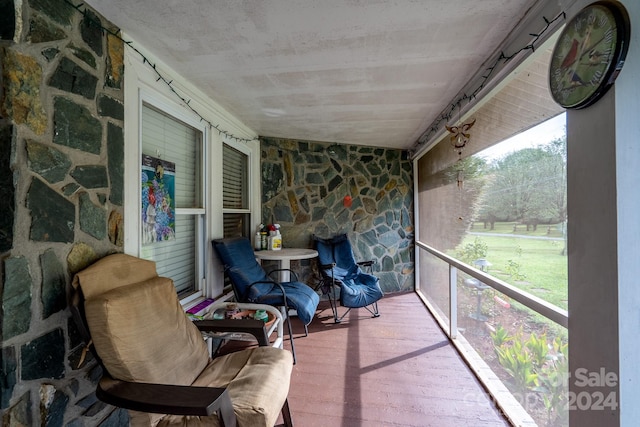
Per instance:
(61,189)
(304,185)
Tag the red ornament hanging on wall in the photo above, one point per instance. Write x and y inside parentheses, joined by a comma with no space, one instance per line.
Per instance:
(347,201)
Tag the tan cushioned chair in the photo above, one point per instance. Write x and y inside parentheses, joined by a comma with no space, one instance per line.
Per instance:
(142,335)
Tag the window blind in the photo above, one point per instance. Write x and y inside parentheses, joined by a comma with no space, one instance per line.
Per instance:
(176,259)
(171,140)
(236,224)
(234,181)
(235,195)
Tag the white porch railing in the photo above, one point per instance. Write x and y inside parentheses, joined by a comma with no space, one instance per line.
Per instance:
(500,394)
(548,310)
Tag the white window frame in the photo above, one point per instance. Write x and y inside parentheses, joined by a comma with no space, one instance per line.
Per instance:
(142,85)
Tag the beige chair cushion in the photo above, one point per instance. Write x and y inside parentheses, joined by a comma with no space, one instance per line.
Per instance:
(112,272)
(142,334)
(258,390)
(258,384)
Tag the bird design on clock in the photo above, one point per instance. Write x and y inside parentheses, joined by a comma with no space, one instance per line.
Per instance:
(589,54)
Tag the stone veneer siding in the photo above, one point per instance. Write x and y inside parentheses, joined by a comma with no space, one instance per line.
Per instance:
(303,187)
(61,189)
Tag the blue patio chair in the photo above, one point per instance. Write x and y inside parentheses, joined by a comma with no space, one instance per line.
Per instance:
(251,283)
(339,269)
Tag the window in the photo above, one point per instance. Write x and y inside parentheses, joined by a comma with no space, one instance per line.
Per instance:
(181,138)
(236,211)
(175,237)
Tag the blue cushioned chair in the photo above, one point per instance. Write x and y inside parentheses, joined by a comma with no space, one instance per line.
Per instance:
(339,269)
(251,283)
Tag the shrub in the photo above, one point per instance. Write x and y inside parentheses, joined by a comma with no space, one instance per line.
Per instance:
(536,366)
(513,269)
(472,251)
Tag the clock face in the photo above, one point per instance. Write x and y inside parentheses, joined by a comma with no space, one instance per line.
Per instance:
(589,54)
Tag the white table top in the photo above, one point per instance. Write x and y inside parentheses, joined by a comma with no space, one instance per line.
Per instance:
(286,254)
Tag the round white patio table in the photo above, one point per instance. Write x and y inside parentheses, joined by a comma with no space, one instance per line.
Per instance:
(284,257)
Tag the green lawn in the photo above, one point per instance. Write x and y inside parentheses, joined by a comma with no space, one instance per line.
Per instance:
(539,263)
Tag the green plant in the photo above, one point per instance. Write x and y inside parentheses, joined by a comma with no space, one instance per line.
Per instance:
(513,269)
(536,366)
(500,336)
(472,251)
(553,382)
(539,349)
(518,250)
(518,363)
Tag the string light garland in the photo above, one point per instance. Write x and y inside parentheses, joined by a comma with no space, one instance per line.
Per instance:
(446,116)
(159,76)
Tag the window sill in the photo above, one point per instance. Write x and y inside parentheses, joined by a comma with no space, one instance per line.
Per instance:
(189,304)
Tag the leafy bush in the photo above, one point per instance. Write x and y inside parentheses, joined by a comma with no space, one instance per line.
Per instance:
(539,350)
(519,363)
(536,366)
(500,336)
(472,251)
(553,381)
(513,269)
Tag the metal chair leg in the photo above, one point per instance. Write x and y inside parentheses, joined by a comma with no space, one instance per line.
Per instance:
(334,304)
(374,309)
(293,348)
(286,414)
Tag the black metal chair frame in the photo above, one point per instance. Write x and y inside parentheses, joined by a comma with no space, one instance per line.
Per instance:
(331,292)
(284,305)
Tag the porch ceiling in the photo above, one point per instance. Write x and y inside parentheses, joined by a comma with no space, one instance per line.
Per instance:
(368,72)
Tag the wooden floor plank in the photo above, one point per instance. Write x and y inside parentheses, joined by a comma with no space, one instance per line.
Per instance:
(395,370)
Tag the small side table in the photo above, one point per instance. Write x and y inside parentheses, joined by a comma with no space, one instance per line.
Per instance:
(276,326)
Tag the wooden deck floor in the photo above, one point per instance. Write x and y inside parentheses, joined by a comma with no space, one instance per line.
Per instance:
(395,370)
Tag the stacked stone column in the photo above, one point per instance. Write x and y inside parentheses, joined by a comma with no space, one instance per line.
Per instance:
(61,192)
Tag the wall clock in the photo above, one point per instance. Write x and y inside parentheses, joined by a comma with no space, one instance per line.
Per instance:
(589,54)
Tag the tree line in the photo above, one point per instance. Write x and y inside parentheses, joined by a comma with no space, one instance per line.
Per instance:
(527,186)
